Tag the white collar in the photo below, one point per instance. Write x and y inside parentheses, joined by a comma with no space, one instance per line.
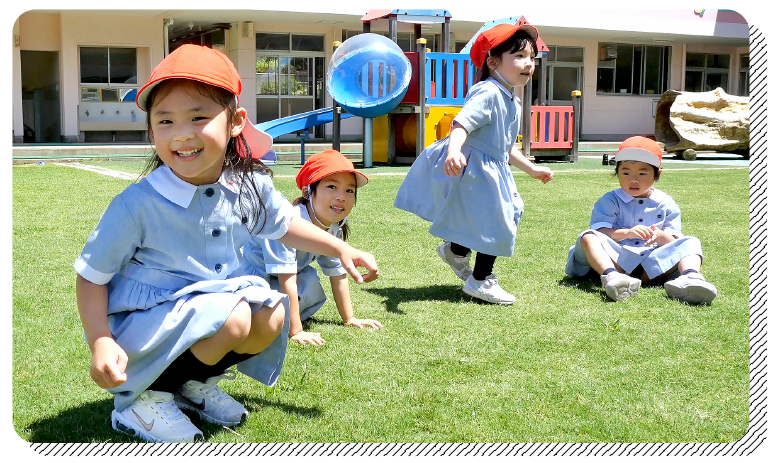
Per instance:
(656,195)
(177,190)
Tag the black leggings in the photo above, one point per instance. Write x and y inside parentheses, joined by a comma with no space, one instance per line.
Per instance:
(187,366)
(484,263)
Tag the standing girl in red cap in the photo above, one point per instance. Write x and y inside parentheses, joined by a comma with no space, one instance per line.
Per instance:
(162,310)
(463,183)
(636,235)
(328,184)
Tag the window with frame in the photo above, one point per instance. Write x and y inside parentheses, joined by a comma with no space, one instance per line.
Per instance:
(743,76)
(108,66)
(274,41)
(629,69)
(706,71)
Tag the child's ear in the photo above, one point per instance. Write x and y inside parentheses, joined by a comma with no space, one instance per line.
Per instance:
(492,62)
(240,120)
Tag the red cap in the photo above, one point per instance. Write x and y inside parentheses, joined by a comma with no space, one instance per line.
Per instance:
(211,67)
(329,162)
(490,38)
(640,149)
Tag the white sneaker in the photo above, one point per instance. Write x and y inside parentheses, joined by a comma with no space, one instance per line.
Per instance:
(154,417)
(210,402)
(487,290)
(692,288)
(459,264)
(620,286)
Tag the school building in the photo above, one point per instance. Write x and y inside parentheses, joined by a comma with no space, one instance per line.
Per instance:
(75,72)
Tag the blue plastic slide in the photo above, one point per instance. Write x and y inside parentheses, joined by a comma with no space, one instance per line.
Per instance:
(298,122)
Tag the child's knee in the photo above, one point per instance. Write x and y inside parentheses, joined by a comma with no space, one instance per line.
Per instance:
(238,324)
(270,320)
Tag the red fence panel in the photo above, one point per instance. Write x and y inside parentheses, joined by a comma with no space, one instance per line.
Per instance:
(552,127)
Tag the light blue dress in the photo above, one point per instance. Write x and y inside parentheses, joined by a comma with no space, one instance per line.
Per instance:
(617,209)
(266,258)
(479,209)
(167,251)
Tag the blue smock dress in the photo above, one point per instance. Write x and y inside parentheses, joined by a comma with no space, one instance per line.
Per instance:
(266,258)
(618,209)
(167,251)
(479,209)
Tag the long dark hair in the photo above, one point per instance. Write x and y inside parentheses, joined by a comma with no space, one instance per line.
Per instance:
(516,42)
(312,190)
(238,163)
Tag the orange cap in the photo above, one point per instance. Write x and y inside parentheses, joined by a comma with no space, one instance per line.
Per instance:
(211,67)
(328,162)
(490,38)
(640,149)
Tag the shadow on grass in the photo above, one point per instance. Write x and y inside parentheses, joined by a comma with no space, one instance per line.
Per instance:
(395,296)
(91,422)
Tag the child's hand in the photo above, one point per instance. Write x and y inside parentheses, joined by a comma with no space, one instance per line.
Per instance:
(302,337)
(640,231)
(543,174)
(362,322)
(455,163)
(353,258)
(108,363)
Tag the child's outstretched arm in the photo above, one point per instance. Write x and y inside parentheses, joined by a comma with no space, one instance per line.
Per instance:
(307,237)
(339,286)
(108,359)
(518,160)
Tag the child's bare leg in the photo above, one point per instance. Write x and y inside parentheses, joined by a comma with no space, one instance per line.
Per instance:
(598,259)
(692,262)
(230,336)
(266,325)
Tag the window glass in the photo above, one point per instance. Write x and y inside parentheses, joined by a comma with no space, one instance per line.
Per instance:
(695,60)
(718,61)
(94,65)
(272,41)
(569,54)
(693,81)
(303,42)
(628,69)
(653,61)
(624,68)
(267,72)
(123,65)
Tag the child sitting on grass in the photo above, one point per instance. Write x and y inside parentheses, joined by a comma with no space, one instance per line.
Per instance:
(635,234)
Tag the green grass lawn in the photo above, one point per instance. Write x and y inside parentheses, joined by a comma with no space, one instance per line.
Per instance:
(562,364)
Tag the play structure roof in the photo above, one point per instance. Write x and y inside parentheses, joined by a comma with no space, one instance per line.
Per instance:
(408,16)
(514,20)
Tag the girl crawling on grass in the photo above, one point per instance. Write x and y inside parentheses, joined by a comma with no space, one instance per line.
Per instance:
(163,313)
(635,234)
(329,183)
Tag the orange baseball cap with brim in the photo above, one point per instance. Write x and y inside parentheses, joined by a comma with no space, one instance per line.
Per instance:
(211,67)
(325,163)
(640,149)
(490,38)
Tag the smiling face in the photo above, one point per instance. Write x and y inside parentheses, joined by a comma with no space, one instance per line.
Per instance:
(191,131)
(636,177)
(334,197)
(515,67)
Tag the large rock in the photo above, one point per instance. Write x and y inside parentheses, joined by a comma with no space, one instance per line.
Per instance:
(702,121)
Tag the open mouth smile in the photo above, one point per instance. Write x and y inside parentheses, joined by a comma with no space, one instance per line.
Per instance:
(188,153)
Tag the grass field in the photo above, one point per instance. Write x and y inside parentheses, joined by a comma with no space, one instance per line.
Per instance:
(562,364)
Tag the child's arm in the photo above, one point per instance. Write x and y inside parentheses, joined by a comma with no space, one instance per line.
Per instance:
(340,288)
(305,236)
(455,160)
(651,234)
(108,359)
(288,284)
(518,160)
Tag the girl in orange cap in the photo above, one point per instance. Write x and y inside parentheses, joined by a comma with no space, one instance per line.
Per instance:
(463,183)
(163,311)
(329,183)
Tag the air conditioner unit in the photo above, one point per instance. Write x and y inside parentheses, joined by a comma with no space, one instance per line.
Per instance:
(608,53)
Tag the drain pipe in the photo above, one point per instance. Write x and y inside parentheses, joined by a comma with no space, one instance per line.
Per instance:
(167,24)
